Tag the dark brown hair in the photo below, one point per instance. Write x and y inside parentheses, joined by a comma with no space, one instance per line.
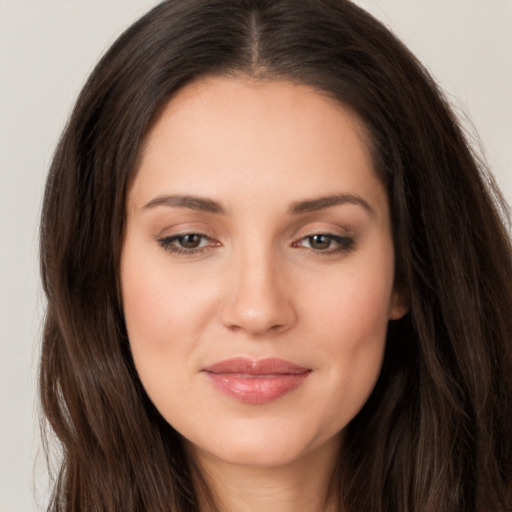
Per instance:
(435,435)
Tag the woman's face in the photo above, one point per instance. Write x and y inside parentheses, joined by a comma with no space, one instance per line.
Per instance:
(257,269)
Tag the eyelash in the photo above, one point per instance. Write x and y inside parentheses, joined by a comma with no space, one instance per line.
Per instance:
(169,244)
(344,244)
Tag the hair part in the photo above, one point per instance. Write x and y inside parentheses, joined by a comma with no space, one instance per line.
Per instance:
(436,433)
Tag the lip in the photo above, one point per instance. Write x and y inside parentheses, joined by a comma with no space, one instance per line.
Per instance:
(256,382)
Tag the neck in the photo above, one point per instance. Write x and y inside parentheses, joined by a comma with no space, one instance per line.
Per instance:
(303,484)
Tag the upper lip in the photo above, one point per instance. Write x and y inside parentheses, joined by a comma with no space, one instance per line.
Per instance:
(244,365)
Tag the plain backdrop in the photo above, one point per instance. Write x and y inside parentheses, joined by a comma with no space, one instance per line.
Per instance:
(48,47)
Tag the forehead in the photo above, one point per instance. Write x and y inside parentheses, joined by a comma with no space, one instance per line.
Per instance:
(248,103)
(235,135)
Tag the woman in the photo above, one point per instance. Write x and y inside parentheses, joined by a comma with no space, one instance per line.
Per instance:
(277,277)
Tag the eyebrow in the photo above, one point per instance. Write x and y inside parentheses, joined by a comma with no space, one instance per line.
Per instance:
(210,206)
(320,203)
(186,201)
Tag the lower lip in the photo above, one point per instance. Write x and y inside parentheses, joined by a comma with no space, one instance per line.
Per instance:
(258,389)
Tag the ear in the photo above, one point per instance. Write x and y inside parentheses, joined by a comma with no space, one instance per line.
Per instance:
(399,304)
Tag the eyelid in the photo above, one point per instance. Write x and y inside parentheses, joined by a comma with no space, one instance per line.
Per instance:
(344,243)
(342,238)
(167,243)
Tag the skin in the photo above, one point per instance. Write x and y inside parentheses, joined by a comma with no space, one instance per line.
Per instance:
(258,285)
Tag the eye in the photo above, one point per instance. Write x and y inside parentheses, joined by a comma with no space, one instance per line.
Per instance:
(325,243)
(187,243)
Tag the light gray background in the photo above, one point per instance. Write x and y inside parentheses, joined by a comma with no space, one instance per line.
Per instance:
(47,48)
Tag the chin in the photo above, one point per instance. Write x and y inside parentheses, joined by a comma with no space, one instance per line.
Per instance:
(274,447)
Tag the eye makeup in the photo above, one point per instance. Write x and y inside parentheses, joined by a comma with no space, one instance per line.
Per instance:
(325,243)
(188,244)
(195,243)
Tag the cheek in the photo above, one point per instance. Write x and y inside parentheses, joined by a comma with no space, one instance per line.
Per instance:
(352,332)
(354,306)
(350,320)
(153,296)
(165,313)
(143,300)
(148,302)
(157,315)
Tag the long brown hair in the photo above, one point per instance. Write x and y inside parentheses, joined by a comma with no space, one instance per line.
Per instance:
(435,435)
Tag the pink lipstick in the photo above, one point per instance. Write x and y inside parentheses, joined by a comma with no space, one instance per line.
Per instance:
(256,382)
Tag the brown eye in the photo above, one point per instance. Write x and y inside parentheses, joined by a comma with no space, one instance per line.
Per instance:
(190,241)
(325,243)
(320,242)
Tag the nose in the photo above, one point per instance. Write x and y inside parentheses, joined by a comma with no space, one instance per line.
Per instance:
(258,299)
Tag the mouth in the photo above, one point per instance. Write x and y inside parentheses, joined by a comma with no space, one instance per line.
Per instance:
(256,382)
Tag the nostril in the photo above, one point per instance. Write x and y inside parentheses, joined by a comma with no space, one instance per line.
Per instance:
(264,317)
